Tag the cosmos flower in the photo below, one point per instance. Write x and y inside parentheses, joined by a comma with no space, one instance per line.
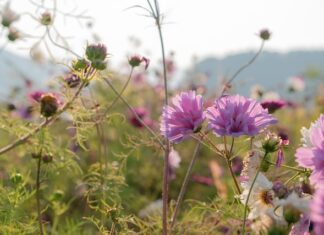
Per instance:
(236,116)
(311,154)
(273,105)
(183,117)
(143,114)
(317,211)
(296,84)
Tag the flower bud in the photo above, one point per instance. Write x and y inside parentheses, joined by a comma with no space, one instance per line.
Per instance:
(57,195)
(99,65)
(46,18)
(13,34)
(96,53)
(276,230)
(72,80)
(16,178)
(135,61)
(271,143)
(264,34)
(49,105)
(291,214)
(80,64)
(280,190)
(8,16)
(36,155)
(47,158)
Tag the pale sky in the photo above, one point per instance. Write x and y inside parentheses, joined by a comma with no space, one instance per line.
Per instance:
(201,28)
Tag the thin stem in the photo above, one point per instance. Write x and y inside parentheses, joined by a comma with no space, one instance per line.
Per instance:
(288,167)
(38,196)
(228,155)
(243,68)
(249,194)
(134,112)
(119,93)
(45,123)
(185,184)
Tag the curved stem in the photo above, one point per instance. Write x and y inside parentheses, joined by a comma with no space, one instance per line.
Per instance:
(39,215)
(249,194)
(288,167)
(243,68)
(134,112)
(185,184)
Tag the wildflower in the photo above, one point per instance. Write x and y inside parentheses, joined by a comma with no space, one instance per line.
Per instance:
(262,198)
(35,96)
(13,34)
(143,114)
(49,105)
(97,54)
(317,211)
(257,92)
(174,163)
(136,60)
(8,16)
(273,105)
(46,18)
(182,118)
(237,115)
(72,80)
(311,156)
(264,34)
(296,84)
(280,189)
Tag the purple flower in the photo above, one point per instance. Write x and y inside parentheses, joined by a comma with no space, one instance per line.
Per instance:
(143,114)
(237,115)
(312,154)
(317,211)
(182,118)
(273,105)
(36,96)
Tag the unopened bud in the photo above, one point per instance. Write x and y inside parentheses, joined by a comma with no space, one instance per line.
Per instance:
(264,34)
(291,214)
(80,64)
(47,158)
(96,53)
(13,34)
(49,105)
(46,19)
(72,80)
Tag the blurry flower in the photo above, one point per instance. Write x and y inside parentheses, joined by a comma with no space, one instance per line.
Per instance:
(273,105)
(257,92)
(271,95)
(283,141)
(143,114)
(80,64)
(280,190)
(154,208)
(49,105)
(302,227)
(136,60)
(317,211)
(237,165)
(13,34)
(203,180)
(262,198)
(294,206)
(183,117)
(36,95)
(25,112)
(11,107)
(47,158)
(97,54)
(262,224)
(174,163)
(296,84)
(264,34)
(311,156)
(72,80)
(8,16)
(236,116)
(46,18)
(305,140)
(251,164)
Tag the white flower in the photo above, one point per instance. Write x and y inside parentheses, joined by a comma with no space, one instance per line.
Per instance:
(296,84)
(174,159)
(262,199)
(251,164)
(261,225)
(306,134)
(300,203)
(256,91)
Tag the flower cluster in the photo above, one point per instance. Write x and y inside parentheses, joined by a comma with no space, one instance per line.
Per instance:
(228,116)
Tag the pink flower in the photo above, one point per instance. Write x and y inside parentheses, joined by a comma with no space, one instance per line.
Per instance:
(236,116)
(182,118)
(273,105)
(317,211)
(36,96)
(312,155)
(143,114)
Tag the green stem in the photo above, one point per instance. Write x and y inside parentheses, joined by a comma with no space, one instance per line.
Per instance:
(39,215)
(288,167)
(249,194)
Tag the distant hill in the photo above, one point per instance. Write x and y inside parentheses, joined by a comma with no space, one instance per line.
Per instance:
(271,70)
(16,70)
